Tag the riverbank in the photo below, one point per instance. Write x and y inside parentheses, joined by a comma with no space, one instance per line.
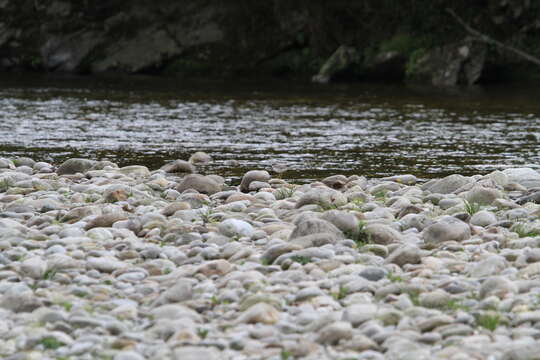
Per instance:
(100,261)
(386,41)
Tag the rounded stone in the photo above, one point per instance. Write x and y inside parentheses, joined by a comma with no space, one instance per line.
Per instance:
(253,175)
(447,228)
(73,166)
(483,218)
(200,183)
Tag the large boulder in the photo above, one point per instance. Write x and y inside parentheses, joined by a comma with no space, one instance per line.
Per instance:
(341,59)
(458,63)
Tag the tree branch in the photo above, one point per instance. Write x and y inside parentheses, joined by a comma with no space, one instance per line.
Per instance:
(485,38)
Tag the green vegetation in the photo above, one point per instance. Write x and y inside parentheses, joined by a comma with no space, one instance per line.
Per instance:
(283,193)
(341,293)
(455,304)
(414,296)
(394,278)
(471,208)
(301,259)
(202,333)
(286,355)
(523,231)
(360,236)
(488,321)
(49,274)
(207,217)
(66,305)
(51,343)
(405,44)
(325,206)
(380,195)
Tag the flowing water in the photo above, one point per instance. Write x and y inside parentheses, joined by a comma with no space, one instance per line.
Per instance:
(365,129)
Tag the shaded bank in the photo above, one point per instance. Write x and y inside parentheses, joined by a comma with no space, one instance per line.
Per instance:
(280,38)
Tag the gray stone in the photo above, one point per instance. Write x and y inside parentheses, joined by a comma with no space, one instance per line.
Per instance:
(34,267)
(196,353)
(357,314)
(106,220)
(489,266)
(372,273)
(344,221)
(202,184)
(260,313)
(106,264)
(335,332)
(200,158)
(273,252)
(234,227)
(446,185)
(498,286)
(24,301)
(482,195)
(323,197)
(253,175)
(128,355)
(483,218)
(529,351)
(181,291)
(178,166)
(448,228)
(73,166)
(527,177)
(405,254)
(381,234)
(312,226)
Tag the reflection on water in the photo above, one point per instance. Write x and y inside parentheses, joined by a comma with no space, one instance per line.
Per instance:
(362,129)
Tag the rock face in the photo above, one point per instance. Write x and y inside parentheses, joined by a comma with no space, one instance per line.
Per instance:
(452,64)
(341,59)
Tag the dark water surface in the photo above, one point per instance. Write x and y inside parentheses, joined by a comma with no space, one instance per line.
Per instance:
(367,129)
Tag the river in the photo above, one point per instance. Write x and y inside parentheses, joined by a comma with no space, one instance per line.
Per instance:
(367,129)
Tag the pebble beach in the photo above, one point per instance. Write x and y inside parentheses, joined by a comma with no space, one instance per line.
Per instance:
(104,262)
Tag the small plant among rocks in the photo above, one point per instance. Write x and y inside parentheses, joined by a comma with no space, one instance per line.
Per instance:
(341,293)
(207,216)
(394,278)
(50,274)
(202,333)
(414,296)
(471,208)
(283,193)
(488,321)
(360,236)
(286,355)
(523,231)
(301,259)
(51,343)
